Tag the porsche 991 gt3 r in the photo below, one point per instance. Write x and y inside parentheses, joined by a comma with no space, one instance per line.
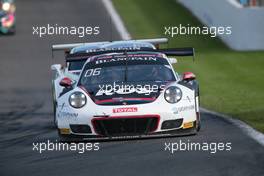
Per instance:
(124,89)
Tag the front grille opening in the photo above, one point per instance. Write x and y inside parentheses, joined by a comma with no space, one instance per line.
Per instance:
(80,128)
(169,124)
(125,126)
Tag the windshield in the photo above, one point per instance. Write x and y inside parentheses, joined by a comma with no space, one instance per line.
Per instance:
(76,65)
(135,71)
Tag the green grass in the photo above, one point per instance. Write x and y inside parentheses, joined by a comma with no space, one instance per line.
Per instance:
(231,82)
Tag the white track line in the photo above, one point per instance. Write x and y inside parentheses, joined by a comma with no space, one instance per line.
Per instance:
(119,25)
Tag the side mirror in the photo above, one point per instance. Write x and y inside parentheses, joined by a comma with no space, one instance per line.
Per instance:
(66,82)
(188,76)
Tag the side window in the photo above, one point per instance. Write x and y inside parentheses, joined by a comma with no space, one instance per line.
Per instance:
(76,65)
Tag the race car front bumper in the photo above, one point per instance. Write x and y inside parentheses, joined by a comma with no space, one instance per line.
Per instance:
(158,118)
(170,133)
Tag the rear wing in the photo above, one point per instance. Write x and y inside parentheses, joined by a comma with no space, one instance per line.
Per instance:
(168,52)
(67,47)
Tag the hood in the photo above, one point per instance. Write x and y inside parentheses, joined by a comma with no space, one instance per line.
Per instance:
(125,93)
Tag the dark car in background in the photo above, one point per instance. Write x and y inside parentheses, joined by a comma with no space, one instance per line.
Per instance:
(7,16)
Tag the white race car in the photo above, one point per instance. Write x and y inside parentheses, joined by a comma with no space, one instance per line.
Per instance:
(123,89)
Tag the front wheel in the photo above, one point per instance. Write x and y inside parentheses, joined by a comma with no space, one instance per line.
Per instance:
(197,104)
(54,114)
(12,30)
(54,107)
(198,122)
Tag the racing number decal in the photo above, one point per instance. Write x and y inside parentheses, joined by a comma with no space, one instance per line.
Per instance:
(92,72)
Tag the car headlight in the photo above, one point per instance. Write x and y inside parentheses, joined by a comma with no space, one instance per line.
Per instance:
(173,94)
(6,6)
(77,99)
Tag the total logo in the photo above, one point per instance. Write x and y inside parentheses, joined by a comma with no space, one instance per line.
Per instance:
(120,110)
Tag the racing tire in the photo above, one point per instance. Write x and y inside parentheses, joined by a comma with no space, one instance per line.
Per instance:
(197,95)
(54,114)
(54,107)
(198,125)
(12,31)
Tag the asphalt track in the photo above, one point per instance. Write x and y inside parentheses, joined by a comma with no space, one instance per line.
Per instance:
(26,115)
